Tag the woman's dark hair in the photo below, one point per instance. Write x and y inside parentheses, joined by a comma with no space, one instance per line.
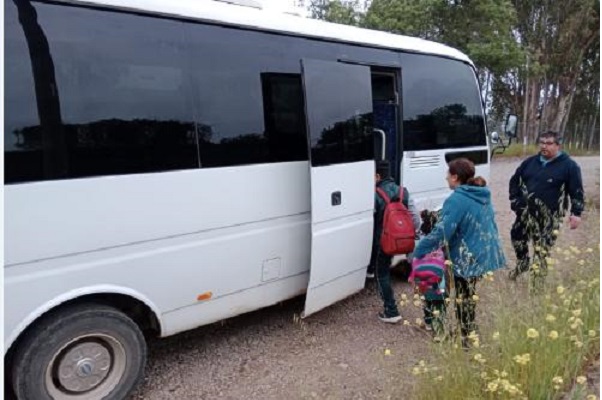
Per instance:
(464,169)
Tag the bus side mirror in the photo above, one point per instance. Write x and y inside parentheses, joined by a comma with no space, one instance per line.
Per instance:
(495,138)
(511,125)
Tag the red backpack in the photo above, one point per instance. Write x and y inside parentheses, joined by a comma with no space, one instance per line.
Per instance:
(398,235)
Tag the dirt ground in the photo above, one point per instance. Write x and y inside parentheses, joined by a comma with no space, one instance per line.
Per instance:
(339,353)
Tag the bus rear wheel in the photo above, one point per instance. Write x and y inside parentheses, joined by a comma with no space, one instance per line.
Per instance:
(82,352)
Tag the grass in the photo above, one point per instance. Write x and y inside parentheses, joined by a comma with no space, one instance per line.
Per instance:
(518,150)
(530,345)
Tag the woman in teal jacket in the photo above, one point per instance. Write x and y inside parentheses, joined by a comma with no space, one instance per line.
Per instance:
(467,231)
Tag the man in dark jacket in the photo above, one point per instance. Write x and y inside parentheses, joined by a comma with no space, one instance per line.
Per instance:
(539,193)
(380,262)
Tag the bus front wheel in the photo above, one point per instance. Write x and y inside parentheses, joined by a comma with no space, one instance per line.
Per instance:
(87,351)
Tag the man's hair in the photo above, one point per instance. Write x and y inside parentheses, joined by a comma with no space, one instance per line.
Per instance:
(553,135)
(383,169)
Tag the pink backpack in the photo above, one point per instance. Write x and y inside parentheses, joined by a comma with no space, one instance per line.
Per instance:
(428,273)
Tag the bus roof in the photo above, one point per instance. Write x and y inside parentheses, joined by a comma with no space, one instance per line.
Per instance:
(278,21)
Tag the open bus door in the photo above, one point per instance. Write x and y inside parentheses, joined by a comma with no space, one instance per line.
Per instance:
(338,104)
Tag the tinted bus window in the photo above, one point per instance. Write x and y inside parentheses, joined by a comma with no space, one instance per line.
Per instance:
(284,116)
(23,161)
(248,96)
(119,102)
(441,104)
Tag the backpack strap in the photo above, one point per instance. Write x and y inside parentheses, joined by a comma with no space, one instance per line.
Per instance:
(383,194)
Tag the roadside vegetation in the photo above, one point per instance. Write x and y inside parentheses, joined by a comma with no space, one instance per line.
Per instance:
(531,344)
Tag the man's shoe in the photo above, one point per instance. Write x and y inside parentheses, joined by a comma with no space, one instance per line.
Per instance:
(513,274)
(369,275)
(428,327)
(389,320)
(521,266)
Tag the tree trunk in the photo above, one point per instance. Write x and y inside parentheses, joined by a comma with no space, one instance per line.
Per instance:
(524,133)
(532,122)
(567,112)
(592,131)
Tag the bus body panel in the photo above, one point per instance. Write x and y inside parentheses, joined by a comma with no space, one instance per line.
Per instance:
(220,255)
(424,175)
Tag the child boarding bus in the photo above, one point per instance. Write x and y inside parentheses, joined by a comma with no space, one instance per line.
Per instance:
(169,164)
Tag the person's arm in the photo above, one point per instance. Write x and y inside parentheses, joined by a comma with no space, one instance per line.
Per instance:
(517,200)
(444,229)
(575,191)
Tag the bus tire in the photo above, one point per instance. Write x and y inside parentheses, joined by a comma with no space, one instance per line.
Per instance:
(86,351)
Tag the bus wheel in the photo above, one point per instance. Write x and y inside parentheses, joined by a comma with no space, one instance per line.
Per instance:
(80,352)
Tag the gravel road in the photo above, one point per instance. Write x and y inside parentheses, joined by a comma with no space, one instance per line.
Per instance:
(336,354)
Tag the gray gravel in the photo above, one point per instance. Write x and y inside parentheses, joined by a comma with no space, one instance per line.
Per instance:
(335,354)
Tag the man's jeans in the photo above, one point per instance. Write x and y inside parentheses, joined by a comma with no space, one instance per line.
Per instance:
(536,225)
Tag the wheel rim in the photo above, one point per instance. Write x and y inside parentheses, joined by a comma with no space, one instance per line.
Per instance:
(87,367)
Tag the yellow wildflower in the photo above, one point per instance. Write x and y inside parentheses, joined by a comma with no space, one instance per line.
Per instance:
(532,333)
(419,321)
(416,371)
(591,397)
(581,380)
(406,322)
(492,386)
(566,303)
(578,344)
(581,262)
(557,380)
(503,374)
(475,297)
(496,335)
(577,312)
(387,352)
(436,313)
(553,335)
(589,250)
(484,375)
(522,359)
(416,296)
(404,296)
(422,363)
(439,378)
(479,358)
(417,303)
(555,232)
(550,318)
(591,333)
(560,290)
